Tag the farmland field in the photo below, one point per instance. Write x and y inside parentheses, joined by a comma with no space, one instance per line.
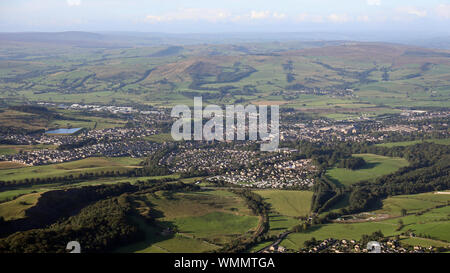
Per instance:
(16,209)
(413,203)
(376,166)
(288,203)
(14,149)
(286,207)
(424,242)
(203,220)
(4,165)
(433,222)
(445,141)
(337,98)
(94,164)
(18,191)
(160,138)
(155,242)
(338,231)
(137,76)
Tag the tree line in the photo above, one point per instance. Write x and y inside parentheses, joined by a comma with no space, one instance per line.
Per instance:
(257,205)
(429,170)
(98,217)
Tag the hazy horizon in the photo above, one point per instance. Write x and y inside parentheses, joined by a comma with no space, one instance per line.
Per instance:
(232,16)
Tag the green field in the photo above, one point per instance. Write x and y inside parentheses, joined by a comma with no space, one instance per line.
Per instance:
(445,141)
(412,203)
(424,242)
(376,166)
(16,209)
(286,207)
(287,202)
(5,165)
(203,220)
(338,231)
(155,242)
(133,75)
(13,193)
(216,224)
(93,164)
(259,246)
(160,138)
(79,119)
(14,149)
(434,222)
(58,118)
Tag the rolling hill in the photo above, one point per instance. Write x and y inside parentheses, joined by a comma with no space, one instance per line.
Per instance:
(329,75)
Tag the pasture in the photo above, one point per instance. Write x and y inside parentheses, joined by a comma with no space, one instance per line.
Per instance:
(376,166)
(338,231)
(379,74)
(288,202)
(160,138)
(15,209)
(14,149)
(423,218)
(93,164)
(203,220)
(157,242)
(412,203)
(434,223)
(4,165)
(13,193)
(444,141)
(286,207)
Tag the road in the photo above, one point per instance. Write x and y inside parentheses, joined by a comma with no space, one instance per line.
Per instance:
(277,242)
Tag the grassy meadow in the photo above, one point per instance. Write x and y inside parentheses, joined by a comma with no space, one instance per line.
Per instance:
(380,75)
(288,202)
(14,149)
(286,207)
(376,166)
(444,141)
(203,221)
(15,209)
(423,218)
(93,164)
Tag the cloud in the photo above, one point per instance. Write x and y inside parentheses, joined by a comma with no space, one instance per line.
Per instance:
(73,3)
(154,18)
(279,16)
(338,18)
(191,14)
(213,15)
(363,18)
(443,11)
(259,14)
(413,11)
(373,2)
(305,17)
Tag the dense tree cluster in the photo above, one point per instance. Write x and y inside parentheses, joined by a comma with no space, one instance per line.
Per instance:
(67,179)
(256,203)
(98,227)
(429,170)
(96,216)
(352,163)
(53,205)
(152,166)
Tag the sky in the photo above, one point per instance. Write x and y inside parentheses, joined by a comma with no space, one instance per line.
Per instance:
(209,16)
